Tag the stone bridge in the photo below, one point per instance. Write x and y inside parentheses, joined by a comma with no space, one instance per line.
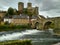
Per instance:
(46,23)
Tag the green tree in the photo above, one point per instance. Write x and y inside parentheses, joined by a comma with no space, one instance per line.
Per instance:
(15,12)
(6,14)
(29,12)
(6,23)
(0,20)
(25,11)
(10,11)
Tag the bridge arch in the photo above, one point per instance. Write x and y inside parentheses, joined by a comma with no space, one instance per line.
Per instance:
(36,25)
(47,24)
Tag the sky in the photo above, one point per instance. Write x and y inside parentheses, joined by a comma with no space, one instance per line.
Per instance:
(50,8)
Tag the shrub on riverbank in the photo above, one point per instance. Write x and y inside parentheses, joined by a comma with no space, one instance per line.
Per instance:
(16,42)
(57,30)
(13,27)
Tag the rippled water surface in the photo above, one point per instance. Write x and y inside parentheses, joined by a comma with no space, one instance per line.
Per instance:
(37,37)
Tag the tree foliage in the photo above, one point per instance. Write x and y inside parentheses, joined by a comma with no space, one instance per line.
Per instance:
(29,12)
(10,11)
(15,11)
(25,11)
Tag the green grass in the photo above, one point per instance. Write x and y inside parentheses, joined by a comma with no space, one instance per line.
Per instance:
(13,27)
(16,42)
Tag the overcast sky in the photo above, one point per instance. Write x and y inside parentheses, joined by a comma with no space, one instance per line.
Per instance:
(49,8)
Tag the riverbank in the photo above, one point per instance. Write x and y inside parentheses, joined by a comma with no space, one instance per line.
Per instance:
(57,43)
(16,42)
(13,27)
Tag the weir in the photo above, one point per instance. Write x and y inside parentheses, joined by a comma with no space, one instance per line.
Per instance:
(37,37)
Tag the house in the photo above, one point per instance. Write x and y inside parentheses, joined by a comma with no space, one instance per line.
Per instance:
(9,20)
(19,19)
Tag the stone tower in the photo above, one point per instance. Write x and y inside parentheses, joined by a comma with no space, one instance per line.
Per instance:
(20,7)
(29,7)
(36,11)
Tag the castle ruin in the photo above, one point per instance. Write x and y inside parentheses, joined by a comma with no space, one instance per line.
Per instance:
(31,9)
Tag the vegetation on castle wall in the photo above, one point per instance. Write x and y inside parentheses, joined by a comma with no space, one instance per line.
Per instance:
(52,25)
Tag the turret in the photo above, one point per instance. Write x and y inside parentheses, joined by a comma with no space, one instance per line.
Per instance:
(36,11)
(20,7)
(29,7)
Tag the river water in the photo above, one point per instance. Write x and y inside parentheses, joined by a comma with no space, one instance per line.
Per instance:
(37,37)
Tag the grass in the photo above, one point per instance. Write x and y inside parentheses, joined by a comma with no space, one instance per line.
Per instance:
(13,27)
(16,42)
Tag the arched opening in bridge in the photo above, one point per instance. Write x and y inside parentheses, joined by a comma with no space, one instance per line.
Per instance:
(47,25)
(37,25)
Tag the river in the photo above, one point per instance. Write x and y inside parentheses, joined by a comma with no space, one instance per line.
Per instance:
(37,37)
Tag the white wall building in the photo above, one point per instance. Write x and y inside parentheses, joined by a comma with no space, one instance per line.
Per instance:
(9,20)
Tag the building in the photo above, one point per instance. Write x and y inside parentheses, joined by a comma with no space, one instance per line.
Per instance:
(21,9)
(37,20)
(19,19)
(29,8)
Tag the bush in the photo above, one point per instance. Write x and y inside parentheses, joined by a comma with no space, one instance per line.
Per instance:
(23,26)
(57,30)
(6,23)
(13,27)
